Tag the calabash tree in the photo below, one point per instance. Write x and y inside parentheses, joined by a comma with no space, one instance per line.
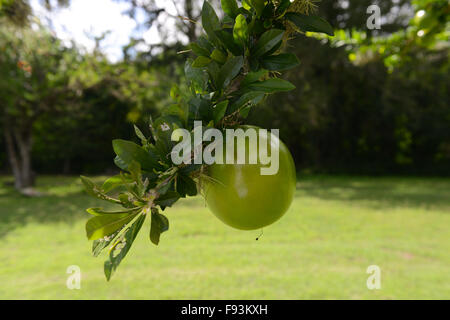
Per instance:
(236,63)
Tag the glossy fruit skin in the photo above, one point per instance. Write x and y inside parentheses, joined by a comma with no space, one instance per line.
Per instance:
(244,199)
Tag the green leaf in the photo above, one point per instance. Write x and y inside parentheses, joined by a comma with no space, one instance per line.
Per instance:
(246,4)
(122,246)
(210,21)
(159,225)
(101,212)
(219,56)
(140,135)
(254,77)
(205,43)
(200,109)
(310,23)
(99,245)
(120,163)
(247,99)
(245,111)
(268,40)
(228,41)
(282,7)
(115,182)
(258,5)
(129,151)
(240,30)
(198,50)
(126,200)
(167,199)
(95,191)
(102,226)
(201,62)
(274,49)
(220,110)
(213,70)
(175,110)
(196,77)
(163,189)
(272,85)
(186,186)
(190,168)
(230,7)
(230,70)
(281,62)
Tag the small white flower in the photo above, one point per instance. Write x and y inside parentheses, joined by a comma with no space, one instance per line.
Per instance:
(165,127)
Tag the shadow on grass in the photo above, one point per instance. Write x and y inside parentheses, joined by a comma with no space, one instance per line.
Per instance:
(64,201)
(379,192)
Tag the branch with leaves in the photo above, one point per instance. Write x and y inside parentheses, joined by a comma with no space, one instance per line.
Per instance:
(236,65)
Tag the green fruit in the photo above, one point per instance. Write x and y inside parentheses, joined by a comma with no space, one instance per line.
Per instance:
(243,198)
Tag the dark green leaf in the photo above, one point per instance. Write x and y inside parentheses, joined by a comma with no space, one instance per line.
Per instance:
(247,99)
(174,110)
(186,186)
(220,110)
(230,7)
(218,56)
(200,109)
(310,23)
(274,49)
(258,5)
(210,21)
(228,41)
(168,199)
(163,188)
(94,190)
(245,111)
(282,7)
(268,40)
(122,246)
(196,77)
(129,151)
(198,50)
(201,62)
(281,62)
(190,168)
(272,85)
(159,225)
(254,77)
(230,70)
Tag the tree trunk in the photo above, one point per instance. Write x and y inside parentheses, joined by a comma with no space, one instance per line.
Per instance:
(67,166)
(191,27)
(19,143)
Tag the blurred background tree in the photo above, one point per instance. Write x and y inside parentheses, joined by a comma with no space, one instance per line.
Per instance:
(34,81)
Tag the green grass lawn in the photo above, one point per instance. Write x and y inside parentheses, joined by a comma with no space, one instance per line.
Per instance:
(335,229)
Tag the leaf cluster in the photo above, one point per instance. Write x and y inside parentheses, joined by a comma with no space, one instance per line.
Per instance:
(236,64)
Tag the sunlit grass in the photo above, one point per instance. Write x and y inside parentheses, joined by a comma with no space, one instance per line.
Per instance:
(336,228)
